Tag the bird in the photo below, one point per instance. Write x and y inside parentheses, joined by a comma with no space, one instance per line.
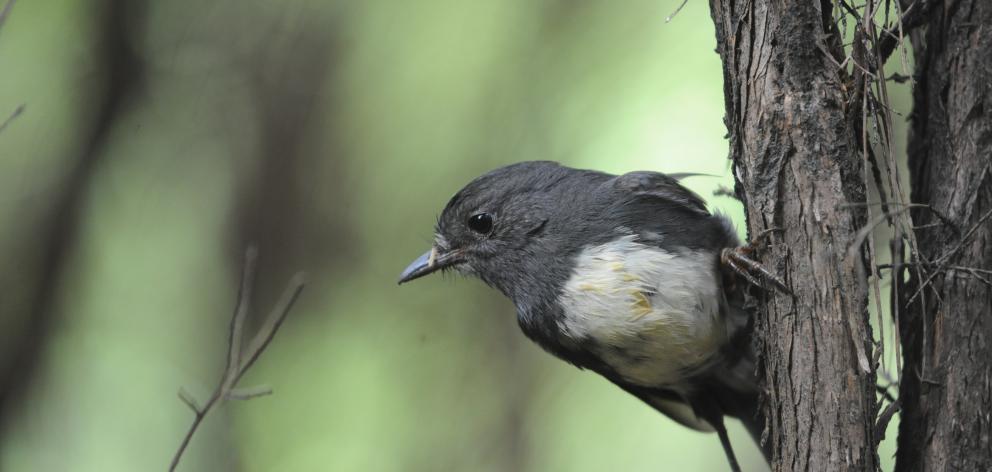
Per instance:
(629,276)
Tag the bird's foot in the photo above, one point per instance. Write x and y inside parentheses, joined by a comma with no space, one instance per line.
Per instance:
(739,260)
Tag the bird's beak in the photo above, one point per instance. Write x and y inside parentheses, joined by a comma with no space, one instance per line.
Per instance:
(430,262)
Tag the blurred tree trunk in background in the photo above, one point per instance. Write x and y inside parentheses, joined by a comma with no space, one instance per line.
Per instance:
(56,233)
(947,328)
(796,155)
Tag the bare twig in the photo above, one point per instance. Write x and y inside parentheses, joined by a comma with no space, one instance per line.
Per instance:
(896,251)
(869,157)
(940,216)
(884,392)
(850,10)
(189,400)
(916,15)
(877,51)
(724,191)
(6,11)
(17,112)
(975,272)
(238,362)
(883,421)
(866,230)
(676,12)
(950,267)
(949,254)
(249,393)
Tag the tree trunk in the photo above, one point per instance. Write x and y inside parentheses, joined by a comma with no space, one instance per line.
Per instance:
(947,328)
(797,159)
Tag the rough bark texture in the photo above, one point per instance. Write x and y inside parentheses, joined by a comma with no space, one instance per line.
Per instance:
(947,331)
(795,151)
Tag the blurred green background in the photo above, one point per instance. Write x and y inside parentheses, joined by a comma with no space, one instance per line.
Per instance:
(160,138)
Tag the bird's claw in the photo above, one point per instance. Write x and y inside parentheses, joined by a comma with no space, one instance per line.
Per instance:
(738,260)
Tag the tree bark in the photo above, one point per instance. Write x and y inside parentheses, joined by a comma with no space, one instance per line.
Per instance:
(947,328)
(797,158)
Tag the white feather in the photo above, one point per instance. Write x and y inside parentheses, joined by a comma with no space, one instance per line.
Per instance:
(654,314)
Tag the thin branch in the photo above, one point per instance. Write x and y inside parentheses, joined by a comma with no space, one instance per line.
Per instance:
(869,156)
(676,12)
(724,191)
(896,251)
(273,322)
(17,112)
(916,15)
(236,367)
(948,268)
(866,230)
(882,119)
(249,393)
(189,400)
(883,421)
(850,10)
(939,262)
(6,11)
(240,313)
(975,272)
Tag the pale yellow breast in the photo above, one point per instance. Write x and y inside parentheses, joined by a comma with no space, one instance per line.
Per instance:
(653,314)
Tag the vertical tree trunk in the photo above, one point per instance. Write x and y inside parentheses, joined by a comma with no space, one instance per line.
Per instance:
(946,387)
(797,158)
(53,240)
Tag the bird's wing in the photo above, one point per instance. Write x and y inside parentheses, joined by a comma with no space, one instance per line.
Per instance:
(655,185)
(682,413)
(664,213)
(669,403)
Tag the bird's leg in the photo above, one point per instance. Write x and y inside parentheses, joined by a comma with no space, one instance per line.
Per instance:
(721,431)
(707,407)
(738,260)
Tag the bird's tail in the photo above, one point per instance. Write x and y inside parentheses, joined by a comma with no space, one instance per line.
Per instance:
(746,406)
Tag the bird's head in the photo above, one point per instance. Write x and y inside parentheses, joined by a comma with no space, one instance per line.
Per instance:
(503,227)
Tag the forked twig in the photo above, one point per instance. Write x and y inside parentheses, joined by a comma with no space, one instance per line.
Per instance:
(239,361)
(883,420)
(941,261)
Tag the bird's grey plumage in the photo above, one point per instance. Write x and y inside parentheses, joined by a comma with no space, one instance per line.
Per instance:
(616,274)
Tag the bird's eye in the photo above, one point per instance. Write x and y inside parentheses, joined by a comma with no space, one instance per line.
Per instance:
(481,223)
